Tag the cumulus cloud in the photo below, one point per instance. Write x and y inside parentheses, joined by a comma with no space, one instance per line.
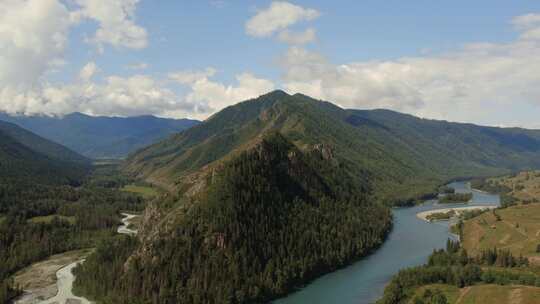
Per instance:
(216,95)
(297,38)
(121,96)
(116,22)
(33,35)
(278,16)
(33,38)
(88,71)
(462,85)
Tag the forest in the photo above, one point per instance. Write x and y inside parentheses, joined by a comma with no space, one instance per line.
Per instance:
(92,209)
(272,219)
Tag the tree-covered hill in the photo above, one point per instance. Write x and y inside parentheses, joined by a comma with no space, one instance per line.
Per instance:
(99,136)
(26,157)
(269,220)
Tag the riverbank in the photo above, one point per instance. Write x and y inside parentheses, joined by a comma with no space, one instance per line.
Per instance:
(39,281)
(458,210)
(51,281)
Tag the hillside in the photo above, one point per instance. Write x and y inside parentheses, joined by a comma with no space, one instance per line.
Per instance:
(404,156)
(26,157)
(101,137)
(272,218)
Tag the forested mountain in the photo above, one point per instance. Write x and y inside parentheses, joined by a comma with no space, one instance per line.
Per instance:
(269,219)
(274,191)
(28,158)
(404,155)
(101,137)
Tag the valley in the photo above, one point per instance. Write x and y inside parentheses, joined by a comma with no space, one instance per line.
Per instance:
(280,198)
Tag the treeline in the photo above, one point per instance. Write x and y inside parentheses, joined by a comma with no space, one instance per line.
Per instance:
(455,267)
(70,218)
(98,276)
(271,220)
(455,198)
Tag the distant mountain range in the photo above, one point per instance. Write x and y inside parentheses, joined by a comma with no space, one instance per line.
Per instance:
(26,157)
(101,137)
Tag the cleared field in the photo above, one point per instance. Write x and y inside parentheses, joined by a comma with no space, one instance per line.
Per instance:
(517,229)
(145,191)
(525,185)
(488,293)
(496,294)
(49,218)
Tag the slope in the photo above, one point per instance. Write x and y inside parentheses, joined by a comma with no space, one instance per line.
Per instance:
(28,158)
(270,219)
(404,156)
(98,136)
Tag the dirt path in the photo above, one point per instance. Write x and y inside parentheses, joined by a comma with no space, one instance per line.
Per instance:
(463,292)
(516,296)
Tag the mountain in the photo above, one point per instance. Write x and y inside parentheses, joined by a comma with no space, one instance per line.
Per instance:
(98,136)
(26,157)
(267,194)
(404,156)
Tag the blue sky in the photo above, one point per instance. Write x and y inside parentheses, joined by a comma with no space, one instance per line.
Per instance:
(467,61)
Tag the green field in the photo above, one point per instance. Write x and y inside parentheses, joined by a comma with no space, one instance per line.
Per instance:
(49,218)
(145,191)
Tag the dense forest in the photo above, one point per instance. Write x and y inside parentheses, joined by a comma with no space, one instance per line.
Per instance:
(270,220)
(454,266)
(39,220)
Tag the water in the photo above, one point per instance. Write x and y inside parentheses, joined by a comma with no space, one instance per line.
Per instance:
(409,244)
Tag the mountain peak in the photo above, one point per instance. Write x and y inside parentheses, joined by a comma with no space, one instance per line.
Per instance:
(276,94)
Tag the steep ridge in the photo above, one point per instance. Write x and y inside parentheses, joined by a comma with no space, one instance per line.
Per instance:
(99,136)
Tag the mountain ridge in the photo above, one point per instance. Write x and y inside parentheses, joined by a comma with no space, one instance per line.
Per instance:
(363,136)
(101,136)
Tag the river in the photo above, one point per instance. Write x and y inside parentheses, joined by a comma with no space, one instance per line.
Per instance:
(409,244)
(65,277)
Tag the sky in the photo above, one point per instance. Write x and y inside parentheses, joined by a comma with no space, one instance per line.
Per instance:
(467,61)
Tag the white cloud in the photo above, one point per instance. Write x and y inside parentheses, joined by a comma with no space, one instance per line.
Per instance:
(33,35)
(190,77)
(88,71)
(116,23)
(297,38)
(278,16)
(470,84)
(217,95)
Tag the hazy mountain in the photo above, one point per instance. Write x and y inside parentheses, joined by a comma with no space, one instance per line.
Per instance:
(101,137)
